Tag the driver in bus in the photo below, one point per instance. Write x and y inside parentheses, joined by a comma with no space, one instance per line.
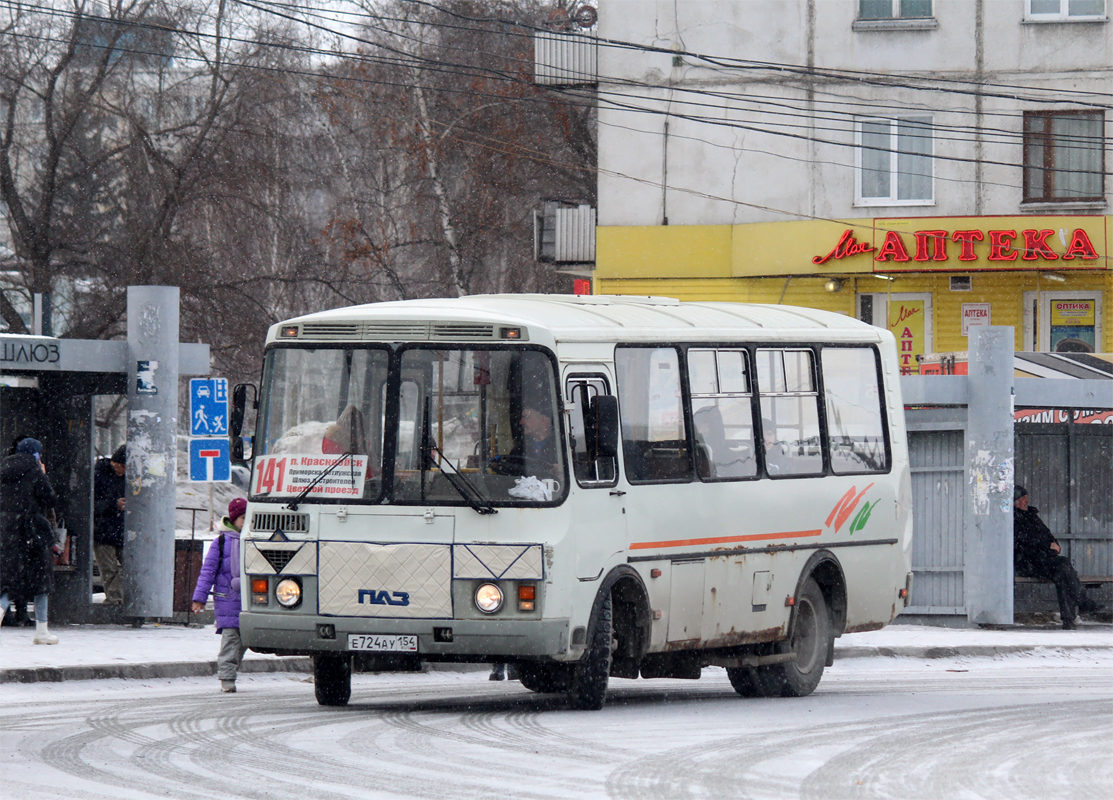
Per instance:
(538,449)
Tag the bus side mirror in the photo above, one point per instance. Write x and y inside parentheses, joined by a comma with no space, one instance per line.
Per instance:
(239,452)
(604,411)
(239,407)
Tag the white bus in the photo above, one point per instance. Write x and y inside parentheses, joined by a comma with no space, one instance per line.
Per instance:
(581,486)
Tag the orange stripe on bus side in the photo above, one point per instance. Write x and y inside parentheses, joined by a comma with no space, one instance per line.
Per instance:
(725,539)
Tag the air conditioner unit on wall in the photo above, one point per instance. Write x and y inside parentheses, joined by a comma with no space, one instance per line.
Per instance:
(564,233)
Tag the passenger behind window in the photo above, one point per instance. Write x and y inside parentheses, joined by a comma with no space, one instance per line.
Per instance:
(719,457)
(777,459)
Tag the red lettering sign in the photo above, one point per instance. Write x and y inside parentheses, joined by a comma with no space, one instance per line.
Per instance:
(1080,245)
(847,246)
(967,238)
(938,241)
(1000,246)
(1035,246)
(931,245)
(892,248)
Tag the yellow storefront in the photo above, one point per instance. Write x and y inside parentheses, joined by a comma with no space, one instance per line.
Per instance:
(928,278)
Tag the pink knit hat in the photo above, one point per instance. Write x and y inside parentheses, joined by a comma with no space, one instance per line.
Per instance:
(237,508)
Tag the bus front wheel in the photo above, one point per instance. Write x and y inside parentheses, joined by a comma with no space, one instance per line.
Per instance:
(332,679)
(544,678)
(588,686)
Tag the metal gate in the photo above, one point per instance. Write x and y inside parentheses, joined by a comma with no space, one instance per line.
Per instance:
(936,457)
(1068,472)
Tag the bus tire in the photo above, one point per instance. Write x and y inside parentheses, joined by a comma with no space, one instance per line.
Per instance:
(544,678)
(587,690)
(810,640)
(756,681)
(332,678)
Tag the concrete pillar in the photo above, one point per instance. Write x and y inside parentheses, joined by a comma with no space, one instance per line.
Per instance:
(989,459)
(152,450)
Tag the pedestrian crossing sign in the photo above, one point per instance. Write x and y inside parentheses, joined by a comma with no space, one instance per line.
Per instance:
(208,407)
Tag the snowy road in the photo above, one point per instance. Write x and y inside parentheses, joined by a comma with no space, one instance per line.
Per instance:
(1024,726)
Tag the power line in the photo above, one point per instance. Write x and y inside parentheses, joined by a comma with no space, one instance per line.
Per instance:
(426,61)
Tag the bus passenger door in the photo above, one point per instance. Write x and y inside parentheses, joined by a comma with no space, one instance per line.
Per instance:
(598,509)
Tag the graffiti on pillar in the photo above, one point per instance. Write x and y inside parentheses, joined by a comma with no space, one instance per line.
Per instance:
(150,320)
(145,377)
(989,477)
(151,461)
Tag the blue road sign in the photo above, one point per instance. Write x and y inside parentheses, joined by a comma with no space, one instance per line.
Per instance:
(208,407)
(209,460)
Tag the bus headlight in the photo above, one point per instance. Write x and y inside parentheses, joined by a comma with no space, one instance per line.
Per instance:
(287,593)
(488,598)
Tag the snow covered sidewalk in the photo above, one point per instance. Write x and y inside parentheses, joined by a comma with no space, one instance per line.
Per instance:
(170,651)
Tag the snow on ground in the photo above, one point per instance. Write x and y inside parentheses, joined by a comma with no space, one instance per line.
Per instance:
(85,645)
(1022,725)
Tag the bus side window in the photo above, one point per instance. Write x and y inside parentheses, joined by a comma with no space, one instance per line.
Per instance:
(579,391)
(722,414)
(855,425)
(654,433)
(789,412)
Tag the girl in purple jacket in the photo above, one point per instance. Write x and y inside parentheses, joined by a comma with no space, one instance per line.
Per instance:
(221,575)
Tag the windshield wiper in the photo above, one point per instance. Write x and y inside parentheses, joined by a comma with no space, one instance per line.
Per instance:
(293,504)
(455,478)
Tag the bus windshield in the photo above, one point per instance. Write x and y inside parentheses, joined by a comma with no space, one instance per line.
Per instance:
(321,405)
(472,426)
(489,415)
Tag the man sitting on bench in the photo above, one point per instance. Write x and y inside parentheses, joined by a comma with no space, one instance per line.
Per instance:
(1036,554)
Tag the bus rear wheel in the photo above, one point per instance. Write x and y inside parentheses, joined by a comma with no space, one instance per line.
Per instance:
(810,640)
(332,679)
(587,690)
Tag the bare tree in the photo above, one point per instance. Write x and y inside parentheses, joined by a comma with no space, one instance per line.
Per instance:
(115,125)
(464,147)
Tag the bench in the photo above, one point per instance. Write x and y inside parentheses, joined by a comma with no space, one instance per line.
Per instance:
(1089,581)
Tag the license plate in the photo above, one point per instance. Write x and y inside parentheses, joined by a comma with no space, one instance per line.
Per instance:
(399,643)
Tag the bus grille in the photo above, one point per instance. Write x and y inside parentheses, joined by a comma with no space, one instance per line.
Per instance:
(330,330)
(396,331)
(463,331)
(280,521)
(400,331)
(277,558)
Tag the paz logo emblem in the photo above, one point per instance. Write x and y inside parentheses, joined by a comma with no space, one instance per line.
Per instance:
(381,597)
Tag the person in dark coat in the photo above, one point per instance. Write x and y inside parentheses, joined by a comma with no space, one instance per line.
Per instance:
(220,574)
(108,522)
(1036,554)
(27,542)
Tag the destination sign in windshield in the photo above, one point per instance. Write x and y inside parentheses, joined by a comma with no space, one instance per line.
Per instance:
(291,474)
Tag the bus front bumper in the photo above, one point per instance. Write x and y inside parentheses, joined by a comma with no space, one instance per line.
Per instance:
(438,640)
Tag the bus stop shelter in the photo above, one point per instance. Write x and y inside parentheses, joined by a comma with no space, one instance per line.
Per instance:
(47,386)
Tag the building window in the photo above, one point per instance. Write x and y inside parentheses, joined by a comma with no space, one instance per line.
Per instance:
(895,9)
(1063,156)
(895,161)
(1063,9)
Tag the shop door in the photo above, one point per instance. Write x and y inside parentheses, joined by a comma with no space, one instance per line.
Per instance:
(909,316)
(1063,322)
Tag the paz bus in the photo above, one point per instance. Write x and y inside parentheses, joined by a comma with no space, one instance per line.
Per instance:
(585,487)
